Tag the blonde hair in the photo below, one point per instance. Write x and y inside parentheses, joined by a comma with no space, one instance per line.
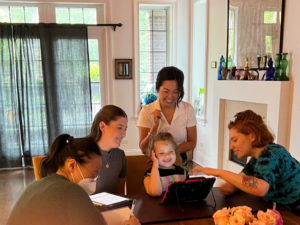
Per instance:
(248,122)
(162,136)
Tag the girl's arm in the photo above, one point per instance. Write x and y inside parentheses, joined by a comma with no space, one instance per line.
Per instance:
(251,185)
(153,184)
(191,140)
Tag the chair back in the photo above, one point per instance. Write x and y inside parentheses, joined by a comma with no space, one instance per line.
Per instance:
(136,168)
(36,161)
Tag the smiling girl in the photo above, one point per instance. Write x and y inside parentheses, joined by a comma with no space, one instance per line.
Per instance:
(162,151)
(108,129)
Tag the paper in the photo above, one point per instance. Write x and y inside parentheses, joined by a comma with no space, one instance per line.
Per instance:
(116,216)
(106,198)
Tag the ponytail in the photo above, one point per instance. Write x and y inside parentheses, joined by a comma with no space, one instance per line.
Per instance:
(64,147)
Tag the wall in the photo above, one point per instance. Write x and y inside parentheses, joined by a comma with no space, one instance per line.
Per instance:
(217,47)
(291,44)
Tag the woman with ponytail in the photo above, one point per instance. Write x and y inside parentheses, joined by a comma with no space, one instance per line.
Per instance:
(61,197)
(271,173)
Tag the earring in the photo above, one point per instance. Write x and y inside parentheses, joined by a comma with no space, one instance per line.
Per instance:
(103,132)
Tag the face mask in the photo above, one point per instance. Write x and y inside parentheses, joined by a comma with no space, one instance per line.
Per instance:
(88,184)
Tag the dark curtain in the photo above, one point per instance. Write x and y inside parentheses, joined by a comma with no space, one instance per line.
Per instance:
(47,88)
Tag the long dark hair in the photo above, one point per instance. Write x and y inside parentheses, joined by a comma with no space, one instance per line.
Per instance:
(248,122)
(64,147)
(171,73)
(107,114)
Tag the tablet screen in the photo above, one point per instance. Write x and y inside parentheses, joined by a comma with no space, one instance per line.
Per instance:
(107,199)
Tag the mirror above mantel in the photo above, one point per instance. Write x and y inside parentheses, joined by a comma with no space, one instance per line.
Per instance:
(255,27)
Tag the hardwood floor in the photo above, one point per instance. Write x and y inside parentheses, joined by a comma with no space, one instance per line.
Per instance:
(12,185)
(14,182)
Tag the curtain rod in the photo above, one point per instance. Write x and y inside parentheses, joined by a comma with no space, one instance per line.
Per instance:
(115,25)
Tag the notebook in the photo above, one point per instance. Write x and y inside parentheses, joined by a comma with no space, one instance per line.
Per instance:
(109,201)
(116,216)
(192,189)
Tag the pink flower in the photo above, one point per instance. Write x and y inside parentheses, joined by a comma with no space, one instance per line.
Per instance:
(267,217)
(237,219)
(221,217)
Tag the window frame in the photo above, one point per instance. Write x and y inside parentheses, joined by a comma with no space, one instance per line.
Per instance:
(170,6)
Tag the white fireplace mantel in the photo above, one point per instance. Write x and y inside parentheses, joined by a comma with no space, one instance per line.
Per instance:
(275,94)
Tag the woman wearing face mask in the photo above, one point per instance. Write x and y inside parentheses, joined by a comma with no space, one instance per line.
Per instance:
(61,197)
(169,114)
(108,129)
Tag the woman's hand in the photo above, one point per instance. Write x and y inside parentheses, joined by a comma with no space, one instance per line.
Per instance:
(132,221)
(227,189)
(206,170)
(156,116)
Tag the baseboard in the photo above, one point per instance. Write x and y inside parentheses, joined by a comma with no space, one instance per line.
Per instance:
(133,152)
(202,159)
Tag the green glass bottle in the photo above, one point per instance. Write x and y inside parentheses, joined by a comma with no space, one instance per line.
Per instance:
(283,67)
(277,67)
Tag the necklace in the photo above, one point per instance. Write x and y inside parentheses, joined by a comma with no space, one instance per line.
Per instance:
(107,165)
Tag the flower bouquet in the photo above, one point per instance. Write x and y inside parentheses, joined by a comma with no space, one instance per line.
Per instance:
(242,215)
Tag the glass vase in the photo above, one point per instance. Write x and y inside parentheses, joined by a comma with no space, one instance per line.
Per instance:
(277,67)
(283,67)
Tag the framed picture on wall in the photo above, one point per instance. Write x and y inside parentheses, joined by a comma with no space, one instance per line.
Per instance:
(123,68)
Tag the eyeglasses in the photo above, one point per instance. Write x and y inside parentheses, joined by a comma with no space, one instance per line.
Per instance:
(95,177)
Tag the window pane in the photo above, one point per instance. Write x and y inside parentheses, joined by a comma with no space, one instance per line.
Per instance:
(94,71)
(90,15)
(17,14)
(268,44)
(93,49)
(145,62)
(159,61)
(31,15)
(76,15)
(4,14)
(145,41)
(62,15)
(147,84)
(159,41)
(270,17)
(146,20)
(159,20)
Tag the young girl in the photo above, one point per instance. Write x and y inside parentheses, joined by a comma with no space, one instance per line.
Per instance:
(162,151)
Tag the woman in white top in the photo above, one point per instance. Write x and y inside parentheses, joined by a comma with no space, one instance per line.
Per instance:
(169,113)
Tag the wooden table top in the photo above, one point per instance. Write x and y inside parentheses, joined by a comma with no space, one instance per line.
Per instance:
(288,219)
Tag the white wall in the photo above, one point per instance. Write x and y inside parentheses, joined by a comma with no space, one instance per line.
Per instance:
(291,44)
(205,152)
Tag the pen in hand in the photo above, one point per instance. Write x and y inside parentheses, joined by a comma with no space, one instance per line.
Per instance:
(132,208)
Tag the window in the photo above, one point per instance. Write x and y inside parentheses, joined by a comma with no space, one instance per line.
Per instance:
(153,47)
(231,37)
(19,14)
(269,44)
(270,17)
(76,15)
(86,16)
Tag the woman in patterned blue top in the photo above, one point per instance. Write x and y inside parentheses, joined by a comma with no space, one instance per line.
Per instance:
(271,173)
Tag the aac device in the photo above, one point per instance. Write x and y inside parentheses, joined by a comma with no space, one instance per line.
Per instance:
(109,201)
(192,189)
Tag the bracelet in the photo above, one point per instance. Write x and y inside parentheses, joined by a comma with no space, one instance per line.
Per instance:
(150,134)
